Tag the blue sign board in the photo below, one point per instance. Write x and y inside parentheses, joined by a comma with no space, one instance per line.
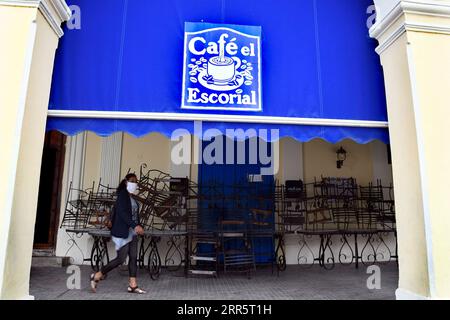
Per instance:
(222,67)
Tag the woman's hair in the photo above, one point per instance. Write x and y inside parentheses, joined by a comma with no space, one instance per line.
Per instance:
(123,183)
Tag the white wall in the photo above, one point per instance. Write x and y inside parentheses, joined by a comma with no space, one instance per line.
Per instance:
(291,160)
(381,168)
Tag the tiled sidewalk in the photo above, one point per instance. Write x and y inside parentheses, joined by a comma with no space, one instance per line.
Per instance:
(294,283)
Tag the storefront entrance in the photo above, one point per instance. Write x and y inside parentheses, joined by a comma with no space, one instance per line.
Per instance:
(309,211)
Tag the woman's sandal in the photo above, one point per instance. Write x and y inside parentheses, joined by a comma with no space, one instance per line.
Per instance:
(94,283)
(136,290)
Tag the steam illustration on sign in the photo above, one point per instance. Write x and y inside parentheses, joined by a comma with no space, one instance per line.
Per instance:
(222,68)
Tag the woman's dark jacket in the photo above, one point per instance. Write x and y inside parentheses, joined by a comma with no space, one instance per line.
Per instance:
(122,220)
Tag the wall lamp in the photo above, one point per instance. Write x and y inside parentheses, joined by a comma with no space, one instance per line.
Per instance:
(341,157)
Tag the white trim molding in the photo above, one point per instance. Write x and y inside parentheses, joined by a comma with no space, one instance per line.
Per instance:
(392,14)
(54,11)
(125,115)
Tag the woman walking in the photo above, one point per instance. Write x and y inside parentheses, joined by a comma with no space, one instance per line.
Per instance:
(124,232)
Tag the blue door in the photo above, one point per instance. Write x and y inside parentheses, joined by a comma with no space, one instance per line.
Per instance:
(235,196)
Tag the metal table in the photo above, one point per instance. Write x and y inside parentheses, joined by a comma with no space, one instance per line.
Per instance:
(99,255)
(154,261)
(326,257)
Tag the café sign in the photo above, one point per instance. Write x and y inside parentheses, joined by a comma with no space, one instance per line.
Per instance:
(222,67)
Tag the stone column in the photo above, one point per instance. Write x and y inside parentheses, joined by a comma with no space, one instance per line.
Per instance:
(29,34)
(414,47)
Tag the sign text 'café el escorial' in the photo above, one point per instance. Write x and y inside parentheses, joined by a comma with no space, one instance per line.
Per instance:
(222,67)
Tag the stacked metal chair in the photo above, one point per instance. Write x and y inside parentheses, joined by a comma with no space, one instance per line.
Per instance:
(76,213)
(203,242)
(234,234)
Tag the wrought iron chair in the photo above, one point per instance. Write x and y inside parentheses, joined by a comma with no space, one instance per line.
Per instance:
(76,213)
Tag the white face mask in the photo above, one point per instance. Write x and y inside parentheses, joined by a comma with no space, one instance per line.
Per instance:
(131,187)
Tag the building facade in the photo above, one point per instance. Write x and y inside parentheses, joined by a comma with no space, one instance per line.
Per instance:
(414,46)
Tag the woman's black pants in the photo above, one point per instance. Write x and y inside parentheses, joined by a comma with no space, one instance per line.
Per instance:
(130,250)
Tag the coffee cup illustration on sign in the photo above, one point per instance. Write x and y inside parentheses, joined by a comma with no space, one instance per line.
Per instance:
(223,69)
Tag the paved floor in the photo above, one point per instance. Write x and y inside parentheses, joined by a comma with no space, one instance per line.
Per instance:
(341,283)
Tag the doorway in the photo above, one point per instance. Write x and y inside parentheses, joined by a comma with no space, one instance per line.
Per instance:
(49,198)
(235,190)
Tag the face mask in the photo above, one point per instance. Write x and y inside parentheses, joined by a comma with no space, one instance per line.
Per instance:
(131,187)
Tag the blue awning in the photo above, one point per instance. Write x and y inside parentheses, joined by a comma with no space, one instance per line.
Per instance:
(317,62)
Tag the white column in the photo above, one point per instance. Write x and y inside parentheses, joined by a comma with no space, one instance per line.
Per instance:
(75,152)
(111,159)
(73,174)
(414,46)
(30,31)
